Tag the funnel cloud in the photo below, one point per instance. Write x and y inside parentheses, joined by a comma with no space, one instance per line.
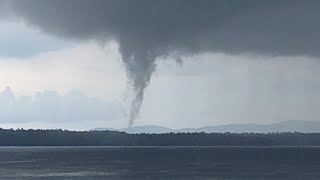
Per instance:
(148,29)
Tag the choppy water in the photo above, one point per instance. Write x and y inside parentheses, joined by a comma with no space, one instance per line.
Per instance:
(159,163)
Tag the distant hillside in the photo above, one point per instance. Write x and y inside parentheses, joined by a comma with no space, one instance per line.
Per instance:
(139,129)
(285,126)
(104,129)
(147,129)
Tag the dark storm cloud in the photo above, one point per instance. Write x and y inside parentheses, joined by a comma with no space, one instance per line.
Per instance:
(147,29)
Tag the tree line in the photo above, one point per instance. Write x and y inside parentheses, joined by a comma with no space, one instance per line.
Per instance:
(59,137)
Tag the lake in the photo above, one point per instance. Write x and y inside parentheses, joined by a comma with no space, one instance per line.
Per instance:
(159,163)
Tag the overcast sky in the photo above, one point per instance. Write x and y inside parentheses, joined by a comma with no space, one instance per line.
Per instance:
(56,77)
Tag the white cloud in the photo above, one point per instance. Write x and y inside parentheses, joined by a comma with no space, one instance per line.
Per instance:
(52,107)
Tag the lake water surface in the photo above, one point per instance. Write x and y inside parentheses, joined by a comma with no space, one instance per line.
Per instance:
(159,163)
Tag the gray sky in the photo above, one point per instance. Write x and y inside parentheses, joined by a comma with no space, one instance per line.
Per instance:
(246,61)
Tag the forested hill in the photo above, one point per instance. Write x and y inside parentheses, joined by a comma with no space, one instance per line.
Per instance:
(21,137)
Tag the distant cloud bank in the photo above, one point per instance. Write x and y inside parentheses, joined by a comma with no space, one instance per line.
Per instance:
(51,106)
